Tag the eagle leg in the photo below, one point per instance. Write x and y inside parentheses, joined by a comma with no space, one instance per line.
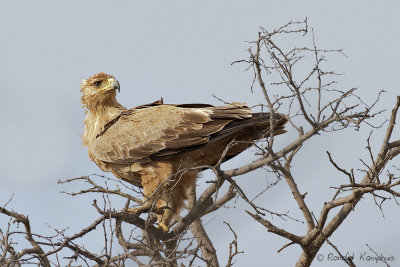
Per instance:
(173,196)
(166,190)
(170,202)
(165,218)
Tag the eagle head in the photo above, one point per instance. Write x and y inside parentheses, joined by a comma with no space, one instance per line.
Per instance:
(99,90)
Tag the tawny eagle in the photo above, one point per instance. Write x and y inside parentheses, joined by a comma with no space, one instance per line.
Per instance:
(149,146)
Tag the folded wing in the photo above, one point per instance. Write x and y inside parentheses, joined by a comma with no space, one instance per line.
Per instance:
(162,129)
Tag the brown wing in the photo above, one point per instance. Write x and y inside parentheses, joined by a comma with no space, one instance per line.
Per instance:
(143,132)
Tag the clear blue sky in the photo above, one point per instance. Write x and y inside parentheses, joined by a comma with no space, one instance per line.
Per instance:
(180,50)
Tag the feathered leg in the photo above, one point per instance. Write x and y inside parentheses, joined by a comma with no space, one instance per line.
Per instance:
(173,197)
(166,190)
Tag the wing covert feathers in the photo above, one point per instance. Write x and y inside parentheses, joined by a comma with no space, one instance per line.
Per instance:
(158,130)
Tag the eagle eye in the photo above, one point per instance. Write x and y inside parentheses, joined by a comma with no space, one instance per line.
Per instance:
(97,83)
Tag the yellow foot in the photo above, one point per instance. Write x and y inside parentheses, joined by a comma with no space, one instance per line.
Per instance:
(132,209)
(163,227)
(138,210)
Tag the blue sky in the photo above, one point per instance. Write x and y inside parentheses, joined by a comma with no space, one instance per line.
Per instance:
(180,50)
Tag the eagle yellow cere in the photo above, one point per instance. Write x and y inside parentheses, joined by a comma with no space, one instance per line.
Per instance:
(150,145)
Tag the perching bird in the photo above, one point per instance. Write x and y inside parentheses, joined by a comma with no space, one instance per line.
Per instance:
(149,146)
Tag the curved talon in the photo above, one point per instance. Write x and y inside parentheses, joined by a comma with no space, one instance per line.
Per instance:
(132,210)
(163,227)
(164,215)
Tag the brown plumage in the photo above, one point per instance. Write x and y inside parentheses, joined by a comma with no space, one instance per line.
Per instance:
(150,145)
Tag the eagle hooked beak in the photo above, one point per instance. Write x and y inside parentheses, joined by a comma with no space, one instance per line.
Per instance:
(113,84)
